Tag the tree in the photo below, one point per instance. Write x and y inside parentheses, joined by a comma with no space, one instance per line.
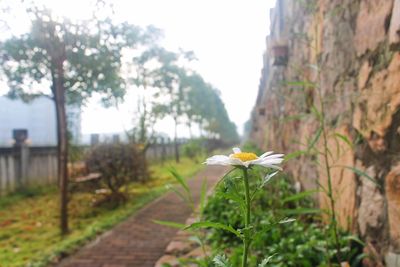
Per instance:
(141,75)
(144,79)
(169,78)
(77,59)
(204,106)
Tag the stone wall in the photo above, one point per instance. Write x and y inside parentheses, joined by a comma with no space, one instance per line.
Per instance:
(344,55)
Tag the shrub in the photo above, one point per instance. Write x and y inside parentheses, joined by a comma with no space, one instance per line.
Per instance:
(193,149)
(303,242)
(118,164)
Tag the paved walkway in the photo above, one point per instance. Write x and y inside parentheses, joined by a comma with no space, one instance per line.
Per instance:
(137,241)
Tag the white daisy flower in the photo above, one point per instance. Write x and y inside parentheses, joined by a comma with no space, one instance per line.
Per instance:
(239,158)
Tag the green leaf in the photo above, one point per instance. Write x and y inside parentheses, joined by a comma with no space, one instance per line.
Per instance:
(203,195)
(180,179)
(234,197)
(215,225)
(295,154)
(322,187)
(221,261)
(317,113)
(196,239)
(170,224)
(355,239)
(360,173)
(267,178)
(359,258)
(344,139)
(223,177)
(315,139)
(231,196)
(183,197)
(286,220)
(300,195)
(301,211)
(266,261)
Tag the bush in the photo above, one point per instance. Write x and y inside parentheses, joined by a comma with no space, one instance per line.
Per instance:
(118,164)
(193,149)
(304,242)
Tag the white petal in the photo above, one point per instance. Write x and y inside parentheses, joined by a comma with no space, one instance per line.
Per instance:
(236,150)
(276,156)
(271,161)
(218,160)
(237,162)
(266,154)
(255,161)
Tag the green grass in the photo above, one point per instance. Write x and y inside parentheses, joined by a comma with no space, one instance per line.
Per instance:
(29,232)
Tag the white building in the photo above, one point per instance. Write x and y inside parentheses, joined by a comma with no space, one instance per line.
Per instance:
(38,117)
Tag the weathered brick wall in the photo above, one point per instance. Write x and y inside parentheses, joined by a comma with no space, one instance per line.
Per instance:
(349,52)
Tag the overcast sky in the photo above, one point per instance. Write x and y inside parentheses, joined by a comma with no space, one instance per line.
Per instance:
(228,38)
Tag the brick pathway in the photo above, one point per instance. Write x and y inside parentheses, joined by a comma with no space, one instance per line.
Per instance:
(137,241)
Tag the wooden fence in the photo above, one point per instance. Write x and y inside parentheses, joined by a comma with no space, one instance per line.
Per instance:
(26,166)
(161,151)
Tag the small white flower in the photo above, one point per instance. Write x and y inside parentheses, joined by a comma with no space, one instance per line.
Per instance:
(239,158)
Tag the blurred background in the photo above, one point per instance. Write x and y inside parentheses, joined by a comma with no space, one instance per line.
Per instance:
(100,99)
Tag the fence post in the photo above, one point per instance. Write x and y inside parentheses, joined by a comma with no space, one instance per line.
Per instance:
(24,165)
(163,150)
(3,174)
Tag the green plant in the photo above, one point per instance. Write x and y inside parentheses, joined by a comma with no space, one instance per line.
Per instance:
(193,149)
(118,164)
(300,243)
(241,192)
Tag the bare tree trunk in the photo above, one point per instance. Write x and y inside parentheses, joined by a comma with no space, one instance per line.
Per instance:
(190,129)
(176,146)
(62,132)
(201,129)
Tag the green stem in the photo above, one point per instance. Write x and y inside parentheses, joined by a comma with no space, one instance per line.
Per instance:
(333,219)
(246,241)
(331,199)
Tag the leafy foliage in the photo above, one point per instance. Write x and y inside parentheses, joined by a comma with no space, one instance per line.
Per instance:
(118,164)
(169,88)
(302,242)
(193,149)
(92,54)
(221,261)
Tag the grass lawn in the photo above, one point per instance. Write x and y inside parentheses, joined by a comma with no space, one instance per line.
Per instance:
(29,222)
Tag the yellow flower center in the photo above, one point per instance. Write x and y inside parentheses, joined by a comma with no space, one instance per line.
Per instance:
(244,156)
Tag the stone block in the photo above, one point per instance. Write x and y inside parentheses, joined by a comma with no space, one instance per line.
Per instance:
(167,260)
(371,210)
(363,75)
(394,30)
(377,103)
(197,253)
(392,260)
(392,188)
(178,248)
(371,24)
